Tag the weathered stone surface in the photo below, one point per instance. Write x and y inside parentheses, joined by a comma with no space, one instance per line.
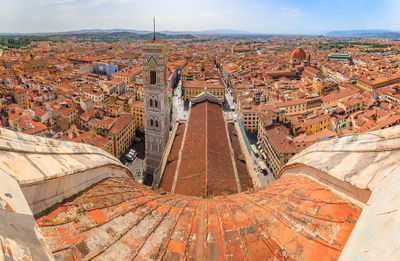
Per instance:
(305,214)
(369,162)
(20,236)
(50,171)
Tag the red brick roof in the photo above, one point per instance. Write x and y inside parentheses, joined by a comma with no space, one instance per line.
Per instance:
(203,84)
(279,136)
(122,121)
(206,166)
(173,157)
(298,53)
(119,219)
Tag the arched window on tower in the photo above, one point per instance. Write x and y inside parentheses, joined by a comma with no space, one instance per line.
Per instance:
(151,122)
(156,123)
(153,77)
(155,103)
(151,102)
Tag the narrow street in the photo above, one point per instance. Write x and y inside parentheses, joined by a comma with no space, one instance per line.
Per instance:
(264,176)
(229,106)
(178,105)
(137,165)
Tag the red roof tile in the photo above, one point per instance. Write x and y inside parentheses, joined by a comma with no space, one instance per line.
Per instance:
(118,219)
(97,215)
(298,53)
(170,168)
(205,168)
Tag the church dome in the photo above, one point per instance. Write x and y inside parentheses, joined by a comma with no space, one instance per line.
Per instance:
(298,54)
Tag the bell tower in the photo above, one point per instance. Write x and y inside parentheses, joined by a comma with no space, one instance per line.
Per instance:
(156,106)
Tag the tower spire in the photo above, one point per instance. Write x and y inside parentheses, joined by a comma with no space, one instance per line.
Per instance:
(154,28)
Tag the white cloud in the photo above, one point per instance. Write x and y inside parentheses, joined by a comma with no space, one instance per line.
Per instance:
(210,14)
(291,12)
(56,2)
(98,2)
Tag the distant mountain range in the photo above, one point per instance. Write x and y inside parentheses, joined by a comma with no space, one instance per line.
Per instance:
(23,40)
(219,32)
(166,32)
(209,32)
(365,33)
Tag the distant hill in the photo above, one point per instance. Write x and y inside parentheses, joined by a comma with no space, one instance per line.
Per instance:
(84,31)
(166,32)
(24,40)
(208,32)
(130,36)
(365,33)
(95,35)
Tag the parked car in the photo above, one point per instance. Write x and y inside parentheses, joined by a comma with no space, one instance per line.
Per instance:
(129,157)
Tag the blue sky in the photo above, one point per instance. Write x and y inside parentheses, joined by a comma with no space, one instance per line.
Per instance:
(261,16)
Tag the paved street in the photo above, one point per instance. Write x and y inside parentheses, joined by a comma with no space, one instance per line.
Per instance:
(264,176)
(229,105)
(137,165)
(178,105)
(229,99)
(230,109)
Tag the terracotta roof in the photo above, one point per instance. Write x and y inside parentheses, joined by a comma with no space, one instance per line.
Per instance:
(173,156)
(122,121)
(280,137)
(35,127)
(206,166)
(89,137)
(298,53)
(244,178)
(200,162)
(292,218)
(202,84)
(378,80)
(138,104)
(129,71)
(310,121)
(154,40)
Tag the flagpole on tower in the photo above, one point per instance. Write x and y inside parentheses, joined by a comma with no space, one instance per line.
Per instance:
(154,28)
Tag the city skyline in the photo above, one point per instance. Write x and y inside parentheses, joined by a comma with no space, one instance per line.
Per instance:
(264,17)
(194,143)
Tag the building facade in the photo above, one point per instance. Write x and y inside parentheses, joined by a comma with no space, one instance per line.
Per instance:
(368,83)
(277,145)
(137,110)
(36,65)
(249,118)
(128,74)
(104,68)
(339,56)
(123,133)
(194,88)
(156,106)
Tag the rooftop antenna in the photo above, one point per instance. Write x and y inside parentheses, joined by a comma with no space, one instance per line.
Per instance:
(154,28)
